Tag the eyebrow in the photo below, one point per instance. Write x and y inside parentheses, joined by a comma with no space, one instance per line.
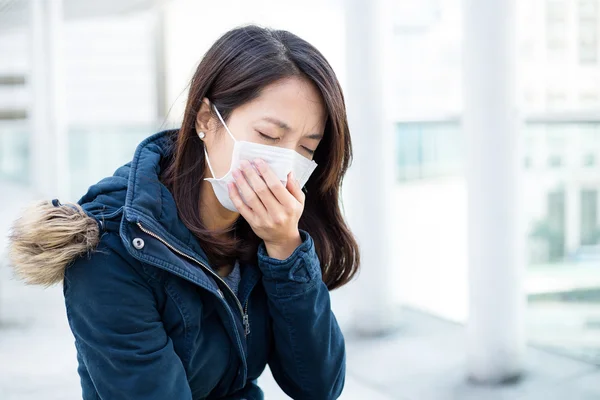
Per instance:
(286,127)
(315,136)
(278,122)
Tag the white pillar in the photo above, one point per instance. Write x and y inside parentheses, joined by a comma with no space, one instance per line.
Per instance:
(160,60)
(495,344)
(48,141)
(371,180)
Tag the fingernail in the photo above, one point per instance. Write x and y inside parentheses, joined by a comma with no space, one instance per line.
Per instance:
(244,164)
(258,161)
(236,173)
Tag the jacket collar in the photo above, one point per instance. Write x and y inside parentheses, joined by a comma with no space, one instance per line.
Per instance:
(148,201)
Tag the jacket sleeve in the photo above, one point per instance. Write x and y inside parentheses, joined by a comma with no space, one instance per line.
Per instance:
(308,359)
(123,350)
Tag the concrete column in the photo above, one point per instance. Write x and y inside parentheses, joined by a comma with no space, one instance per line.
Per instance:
(372,177)
(48,141)
(495,344)
(160,59)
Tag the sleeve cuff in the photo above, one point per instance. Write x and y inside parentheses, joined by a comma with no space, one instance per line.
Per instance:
(302,266)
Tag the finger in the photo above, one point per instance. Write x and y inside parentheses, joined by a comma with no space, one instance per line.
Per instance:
(236,198)
(248,193)
(260,186)
(294,188)
(273,183)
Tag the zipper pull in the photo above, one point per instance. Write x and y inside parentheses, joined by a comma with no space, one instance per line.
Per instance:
(246,322)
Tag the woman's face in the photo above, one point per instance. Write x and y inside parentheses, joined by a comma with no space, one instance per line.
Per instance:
(289,113)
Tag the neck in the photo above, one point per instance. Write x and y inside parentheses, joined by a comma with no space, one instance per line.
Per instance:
(214,216)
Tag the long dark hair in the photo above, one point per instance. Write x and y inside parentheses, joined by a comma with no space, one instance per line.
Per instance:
(233,72)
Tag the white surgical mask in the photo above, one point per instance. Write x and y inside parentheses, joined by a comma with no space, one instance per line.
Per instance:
(282,161)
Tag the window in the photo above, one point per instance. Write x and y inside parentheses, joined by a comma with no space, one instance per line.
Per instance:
(554,161)
(589,160)
(556,26)
(589,217)
(589,25)
(556,99)
(556,225)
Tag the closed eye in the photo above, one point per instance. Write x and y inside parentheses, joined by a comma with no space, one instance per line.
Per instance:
(271,139)
(267,137)
(309,151)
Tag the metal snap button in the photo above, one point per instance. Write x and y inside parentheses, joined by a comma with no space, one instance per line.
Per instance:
(138,243)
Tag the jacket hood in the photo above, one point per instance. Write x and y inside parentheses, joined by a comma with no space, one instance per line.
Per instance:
(48,236)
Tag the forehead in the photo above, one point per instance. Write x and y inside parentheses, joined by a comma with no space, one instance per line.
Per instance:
(295,101)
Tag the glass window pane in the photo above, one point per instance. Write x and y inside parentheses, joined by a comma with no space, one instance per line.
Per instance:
(589,217)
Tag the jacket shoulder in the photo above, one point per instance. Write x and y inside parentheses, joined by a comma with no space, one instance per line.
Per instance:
(109,264)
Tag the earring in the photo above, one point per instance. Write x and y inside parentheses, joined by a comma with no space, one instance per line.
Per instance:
(201,135)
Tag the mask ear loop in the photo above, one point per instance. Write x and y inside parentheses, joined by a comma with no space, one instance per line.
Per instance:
(208,162)
(230,134)
(223,122)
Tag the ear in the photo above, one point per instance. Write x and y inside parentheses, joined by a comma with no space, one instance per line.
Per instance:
(204,116)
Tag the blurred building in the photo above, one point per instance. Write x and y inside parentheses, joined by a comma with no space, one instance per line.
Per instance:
(559,79)
(126,64)
(110,95)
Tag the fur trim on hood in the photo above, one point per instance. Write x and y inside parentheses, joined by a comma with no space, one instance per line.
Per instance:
(47,238)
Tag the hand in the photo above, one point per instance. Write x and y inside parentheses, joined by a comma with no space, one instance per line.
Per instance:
(271,209)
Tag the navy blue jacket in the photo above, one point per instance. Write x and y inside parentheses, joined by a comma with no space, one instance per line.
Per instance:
(152,320)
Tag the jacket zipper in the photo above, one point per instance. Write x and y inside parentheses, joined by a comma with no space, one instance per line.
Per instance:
(243,311)
(246,319)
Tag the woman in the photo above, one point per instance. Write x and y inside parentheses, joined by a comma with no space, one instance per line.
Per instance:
(204,259)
